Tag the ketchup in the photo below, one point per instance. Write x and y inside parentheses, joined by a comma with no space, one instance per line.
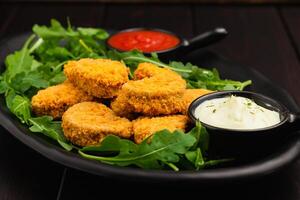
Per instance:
(146,41)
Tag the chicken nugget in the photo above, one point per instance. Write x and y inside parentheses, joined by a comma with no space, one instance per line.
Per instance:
(149,70)
(158,92)
(190,95)
(122,108)
(87,123)
(101,78)
(55,100)
(144,127)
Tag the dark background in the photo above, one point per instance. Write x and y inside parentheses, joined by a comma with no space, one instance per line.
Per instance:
(170,1)
(265,37)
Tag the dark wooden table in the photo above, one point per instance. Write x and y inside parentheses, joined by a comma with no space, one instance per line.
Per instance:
(263,37)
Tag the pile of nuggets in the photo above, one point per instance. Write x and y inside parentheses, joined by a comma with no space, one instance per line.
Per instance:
(154,100)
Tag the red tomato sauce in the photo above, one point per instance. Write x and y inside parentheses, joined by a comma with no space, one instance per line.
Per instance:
(144,40)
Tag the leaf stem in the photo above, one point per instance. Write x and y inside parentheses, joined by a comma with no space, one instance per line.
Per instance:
(128,159)
(246,83)
(36,45)
(85,46)
(216,162)
(172,166)
(28,41)
(59,65)
(156,63)
(112,159)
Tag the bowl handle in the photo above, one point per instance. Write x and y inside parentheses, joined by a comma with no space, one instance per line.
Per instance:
(294,119)
(205,39)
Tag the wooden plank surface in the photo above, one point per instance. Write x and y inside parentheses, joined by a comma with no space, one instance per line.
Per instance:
(8,13)
(222,2)
(256,39)
(176,18)
(291,18)
(79,14)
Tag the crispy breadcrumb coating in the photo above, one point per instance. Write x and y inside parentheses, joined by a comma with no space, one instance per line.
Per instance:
(144,127)
(147,70)
(55,100)
(157,93)
(101,78)
(88,123)
(190,95)
(121,107)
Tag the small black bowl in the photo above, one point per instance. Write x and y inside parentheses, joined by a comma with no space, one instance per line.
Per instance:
(245,144)
(185,45)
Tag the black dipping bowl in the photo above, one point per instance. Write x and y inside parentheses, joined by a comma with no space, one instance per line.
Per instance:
(248,143)
(185,45)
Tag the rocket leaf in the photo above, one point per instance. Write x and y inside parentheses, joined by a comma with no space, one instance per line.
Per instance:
(164,147)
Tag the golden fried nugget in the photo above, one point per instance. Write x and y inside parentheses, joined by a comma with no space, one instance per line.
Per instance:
(190,95)
(145,126)
(101,78)
(121,107)
(55,100)
(149,70)
(88,123)
(158,92)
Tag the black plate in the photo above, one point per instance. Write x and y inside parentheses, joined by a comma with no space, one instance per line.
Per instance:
(281,157)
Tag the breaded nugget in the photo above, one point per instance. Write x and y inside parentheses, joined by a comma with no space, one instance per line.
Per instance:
(88,123)
(149,70)
(157,93)
(55,100)
(190,95)
(121,107)
(101,78)
(145,126)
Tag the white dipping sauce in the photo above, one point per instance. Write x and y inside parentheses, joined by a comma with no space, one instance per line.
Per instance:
(235,112)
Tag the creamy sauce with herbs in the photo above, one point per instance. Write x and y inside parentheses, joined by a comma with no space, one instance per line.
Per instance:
(235,112)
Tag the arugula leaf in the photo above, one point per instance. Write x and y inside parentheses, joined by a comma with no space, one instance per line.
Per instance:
(3,85)
(112,143)
(55,31)
(93,32)
(19,105)
(50,128)
(57,78)
(195,153)
(196,158)
(70,43)
(198,152)
(26,81)
(165,147)
(19,62)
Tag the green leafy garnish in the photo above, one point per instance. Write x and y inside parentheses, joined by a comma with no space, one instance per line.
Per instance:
(164,149)
(50,128)
(19,105)
(39,64)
